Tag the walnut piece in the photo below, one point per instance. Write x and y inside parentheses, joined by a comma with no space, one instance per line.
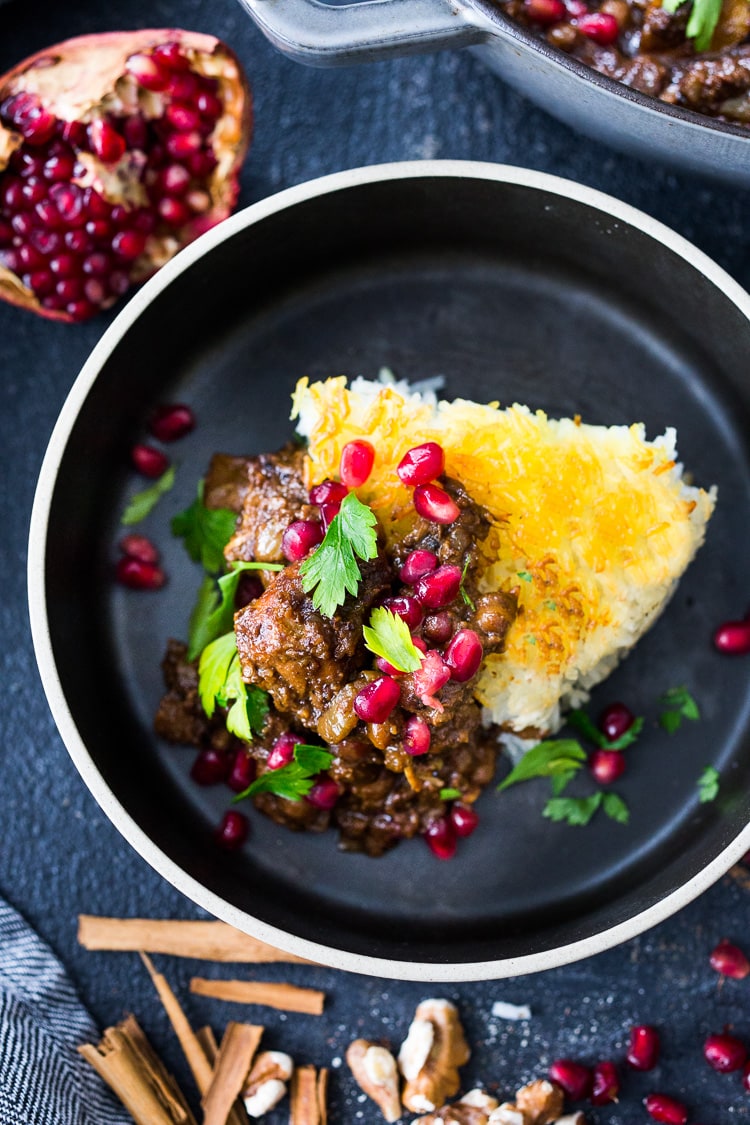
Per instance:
(375,1071)
(542,1101)
(472,1109)
(265,1085)
(509,1114)
(430,1056)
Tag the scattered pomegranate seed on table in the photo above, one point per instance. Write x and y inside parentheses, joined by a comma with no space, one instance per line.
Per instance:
(357,459)
(573,1077)
(725,1053)
(605,1085)
(729,960)
(643,1051)
(746,1076)
(665,1109)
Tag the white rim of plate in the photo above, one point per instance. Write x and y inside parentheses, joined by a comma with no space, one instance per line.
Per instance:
(110,805)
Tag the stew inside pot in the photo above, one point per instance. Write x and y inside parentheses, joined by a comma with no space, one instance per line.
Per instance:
(694,54)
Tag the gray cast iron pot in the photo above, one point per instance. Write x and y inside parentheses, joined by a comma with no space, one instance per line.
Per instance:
(322,35)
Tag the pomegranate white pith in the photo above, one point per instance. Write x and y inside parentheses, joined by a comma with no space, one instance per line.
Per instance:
(115,151)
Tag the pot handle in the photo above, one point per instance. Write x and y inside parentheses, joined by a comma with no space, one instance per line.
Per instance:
(322,35)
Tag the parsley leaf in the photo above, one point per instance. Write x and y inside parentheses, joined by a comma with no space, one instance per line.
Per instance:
(583,723)
(139,505)
(332,570)
(708,785)
(213,613)
(679,704)
(206,532)
(615,808)
(220,683)
(462,587)
(704,17)
(450,794)
(547,759)
(388,636)
(294,780)
(525,576)
(573,810)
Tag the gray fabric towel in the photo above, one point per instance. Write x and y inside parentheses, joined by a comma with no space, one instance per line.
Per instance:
(43,1079)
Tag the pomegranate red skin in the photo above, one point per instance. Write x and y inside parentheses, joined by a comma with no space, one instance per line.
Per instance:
(104,56)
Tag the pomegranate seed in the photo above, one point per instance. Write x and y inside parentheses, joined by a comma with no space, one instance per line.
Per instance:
(729,960)
(139,547)
(182,117)
(430,678)
(666,1109)
(574,1077)
(48,214)
(95,291)
(416,565)
(602,27)
(41,282)
(174,211)
(300,538)
(170,56)
(282,751)
(148,461)
(22,224)
(249,588)
(545,12)
(725,1053)
(12,196)
(105,141)
(119,282)
(407,608)
(438,627)
(77,240)
(615,721)
(180,145)
(139,575)
(96,264)
(64,265)
(357,459)
(242,772)
(147,72)
(6,233)
(387,669)
(34,190)
(434,504)
(324,793)
(643,1051)
(30,258)
(746,1076)
(374,702)
(70,289)
(607,765)
(59,167)
(80,310)
(418,643)
(328,492)
(417,736)
(170,422)
(201,164)
(68,198)
(733,638)
(135,132)
(421,463)
(174,180)
(208,105)
(328,512)
(464,655)
(605,1084)
(74,132)
(99,228)
(210,767)
(441,838)
(232,831)
(129,244)
(464,820)
(576,8)
(182,87)
(439,589)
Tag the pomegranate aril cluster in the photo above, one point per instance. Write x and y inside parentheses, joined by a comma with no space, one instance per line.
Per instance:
(74,249)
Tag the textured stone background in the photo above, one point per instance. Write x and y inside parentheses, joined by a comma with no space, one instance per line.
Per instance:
(59,855)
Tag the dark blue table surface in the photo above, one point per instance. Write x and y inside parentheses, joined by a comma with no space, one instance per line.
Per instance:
(59,855)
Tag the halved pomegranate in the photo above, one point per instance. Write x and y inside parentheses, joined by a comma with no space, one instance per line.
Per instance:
(116,150)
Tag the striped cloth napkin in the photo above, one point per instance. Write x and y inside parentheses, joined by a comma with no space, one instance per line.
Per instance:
(43,1079)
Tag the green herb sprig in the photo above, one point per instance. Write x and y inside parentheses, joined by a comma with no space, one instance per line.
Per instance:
(708,785)
(295,780)
(213,612)
(678,704)
(220,684)
(704,16)
(388,636)
(143,503)
(205,531)
(585,725)
(332,570)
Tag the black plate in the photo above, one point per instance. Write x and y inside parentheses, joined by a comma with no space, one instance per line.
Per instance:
(512,291)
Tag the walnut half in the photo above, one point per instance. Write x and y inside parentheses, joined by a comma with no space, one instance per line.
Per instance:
(375,1071)
(431,1054)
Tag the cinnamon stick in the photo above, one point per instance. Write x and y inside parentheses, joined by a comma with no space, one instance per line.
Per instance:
(209,941)
(308,1096)
(207,1040)
(127,1062)
(200,1066)
(233,1063)
(285,997)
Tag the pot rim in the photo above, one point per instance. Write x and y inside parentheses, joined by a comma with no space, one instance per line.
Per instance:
(495,17)
(100,790)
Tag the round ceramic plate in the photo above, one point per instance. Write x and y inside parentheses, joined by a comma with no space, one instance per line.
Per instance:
(514,286)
